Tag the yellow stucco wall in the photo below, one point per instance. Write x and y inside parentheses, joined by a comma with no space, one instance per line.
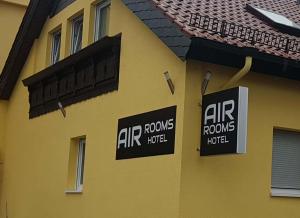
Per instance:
(182,185)
(36,158)
(16,2)
(234,186)
(3,105)
(3,108)
(10,18)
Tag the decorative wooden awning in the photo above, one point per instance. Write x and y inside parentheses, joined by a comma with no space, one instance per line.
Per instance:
(88,73)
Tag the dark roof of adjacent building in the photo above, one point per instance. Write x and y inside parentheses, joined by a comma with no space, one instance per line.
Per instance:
(217,31)
(171,34)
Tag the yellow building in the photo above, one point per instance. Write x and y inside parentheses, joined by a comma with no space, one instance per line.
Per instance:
(11,12)
(103,104)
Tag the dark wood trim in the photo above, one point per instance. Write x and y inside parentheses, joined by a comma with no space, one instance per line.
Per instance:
(31,26)
(88,73)
(105,43)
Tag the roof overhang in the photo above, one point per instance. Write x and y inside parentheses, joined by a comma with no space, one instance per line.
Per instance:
(233,56)
(31,26)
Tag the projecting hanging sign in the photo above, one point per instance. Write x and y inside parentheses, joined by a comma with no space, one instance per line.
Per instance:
(224,122)
(147,134)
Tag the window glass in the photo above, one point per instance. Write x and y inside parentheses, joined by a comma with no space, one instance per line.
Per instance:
(80,164)
(277,18)
(101,20)
(55,50)
(76,165)
(76,40)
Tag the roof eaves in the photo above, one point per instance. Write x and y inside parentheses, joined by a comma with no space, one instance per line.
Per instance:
(59,5)
(31,26)
(230,55)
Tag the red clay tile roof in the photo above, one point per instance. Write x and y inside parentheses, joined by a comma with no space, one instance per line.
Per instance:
(233,11)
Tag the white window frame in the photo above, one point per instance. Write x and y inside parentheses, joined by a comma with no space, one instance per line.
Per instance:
(55,46)
(80,165)
(279,192)
(75,40)
(98,34)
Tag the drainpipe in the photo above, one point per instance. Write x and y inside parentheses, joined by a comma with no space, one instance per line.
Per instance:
(240,74)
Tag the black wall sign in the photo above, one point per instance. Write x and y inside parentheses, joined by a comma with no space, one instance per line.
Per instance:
(147,134)
(224,122)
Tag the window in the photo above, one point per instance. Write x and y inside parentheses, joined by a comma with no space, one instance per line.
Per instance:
(76,165)
(277,20)
(286,164)
(80,164)
(76,37)
(101,19)
(55,48)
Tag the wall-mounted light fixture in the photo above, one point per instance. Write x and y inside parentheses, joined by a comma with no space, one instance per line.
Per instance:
(204,85)
(62,109)
(205,82)
(169,81)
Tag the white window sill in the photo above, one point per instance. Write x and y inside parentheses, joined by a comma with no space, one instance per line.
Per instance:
(73,192)
(277,192)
